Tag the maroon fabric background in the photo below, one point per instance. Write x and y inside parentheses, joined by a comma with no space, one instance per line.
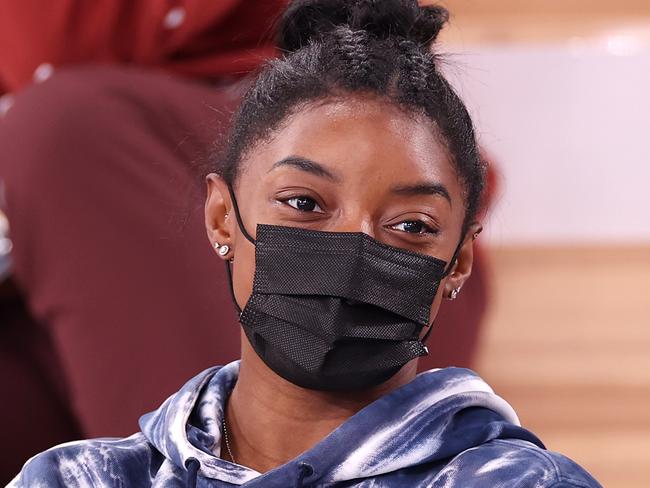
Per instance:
(109,243)
(217,38)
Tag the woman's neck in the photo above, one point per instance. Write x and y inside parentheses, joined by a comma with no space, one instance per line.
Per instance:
(271,421)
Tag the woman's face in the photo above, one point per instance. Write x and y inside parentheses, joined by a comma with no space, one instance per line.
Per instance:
(357,165)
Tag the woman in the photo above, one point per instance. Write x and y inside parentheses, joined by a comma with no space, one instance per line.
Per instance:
(344,209)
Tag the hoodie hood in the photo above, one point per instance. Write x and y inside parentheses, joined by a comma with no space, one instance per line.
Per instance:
(187,425)
(438,415)
(446,428)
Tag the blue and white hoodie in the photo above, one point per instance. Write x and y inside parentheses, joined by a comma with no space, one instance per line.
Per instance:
(446,428)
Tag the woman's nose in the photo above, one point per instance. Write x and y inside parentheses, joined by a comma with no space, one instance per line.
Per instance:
(357,223)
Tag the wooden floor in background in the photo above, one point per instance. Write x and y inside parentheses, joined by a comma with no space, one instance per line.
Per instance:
(568,345)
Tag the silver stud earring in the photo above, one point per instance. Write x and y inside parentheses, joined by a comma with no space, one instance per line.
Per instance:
(223,250)
(217,245)
(475,235)
(454,293)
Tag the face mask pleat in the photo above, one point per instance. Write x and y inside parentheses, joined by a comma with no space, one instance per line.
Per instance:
(367,356)
(347,265)
(329,319)
(346,364)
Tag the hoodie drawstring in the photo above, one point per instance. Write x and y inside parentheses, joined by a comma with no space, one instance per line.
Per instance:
(192,466)
(305,471)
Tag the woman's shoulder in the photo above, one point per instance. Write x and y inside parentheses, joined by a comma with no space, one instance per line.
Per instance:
(124,461)
(501,462)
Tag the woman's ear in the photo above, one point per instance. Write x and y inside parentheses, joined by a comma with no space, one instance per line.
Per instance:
(463,267)
(218,223)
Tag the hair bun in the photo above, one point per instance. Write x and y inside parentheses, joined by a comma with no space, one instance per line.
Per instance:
(307,20)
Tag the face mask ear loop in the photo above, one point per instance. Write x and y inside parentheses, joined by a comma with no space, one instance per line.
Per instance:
(426,336)
(247,236)
(231,288)
(450,266)
(454,257)
(238,216)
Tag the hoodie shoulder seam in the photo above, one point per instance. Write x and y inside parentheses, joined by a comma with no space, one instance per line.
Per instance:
(549,461)
(561,483)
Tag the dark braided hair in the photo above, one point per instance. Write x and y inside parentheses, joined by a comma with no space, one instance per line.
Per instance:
(334,48)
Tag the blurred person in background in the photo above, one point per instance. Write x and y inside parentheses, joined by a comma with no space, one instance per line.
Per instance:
(111,299)
(107,107)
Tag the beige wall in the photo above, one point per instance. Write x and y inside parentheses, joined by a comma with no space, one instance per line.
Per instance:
(476,21)
(558,91)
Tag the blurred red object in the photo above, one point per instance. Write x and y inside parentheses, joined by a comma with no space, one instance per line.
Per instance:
(206,39)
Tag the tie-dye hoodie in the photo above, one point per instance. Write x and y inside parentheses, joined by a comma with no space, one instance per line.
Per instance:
(446,428)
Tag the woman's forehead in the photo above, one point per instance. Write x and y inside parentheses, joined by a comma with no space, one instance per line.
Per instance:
(358,136)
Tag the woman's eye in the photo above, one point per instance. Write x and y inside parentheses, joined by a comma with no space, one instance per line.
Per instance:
(414,227)
(304,204)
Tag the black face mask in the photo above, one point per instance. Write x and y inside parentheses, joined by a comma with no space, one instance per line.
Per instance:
(337,310)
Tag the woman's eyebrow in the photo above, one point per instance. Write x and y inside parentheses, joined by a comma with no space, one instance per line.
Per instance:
(424,188)
(308,166)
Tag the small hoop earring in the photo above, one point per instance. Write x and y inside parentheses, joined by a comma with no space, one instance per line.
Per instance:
(223,250)
(454,293)
(475,235)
